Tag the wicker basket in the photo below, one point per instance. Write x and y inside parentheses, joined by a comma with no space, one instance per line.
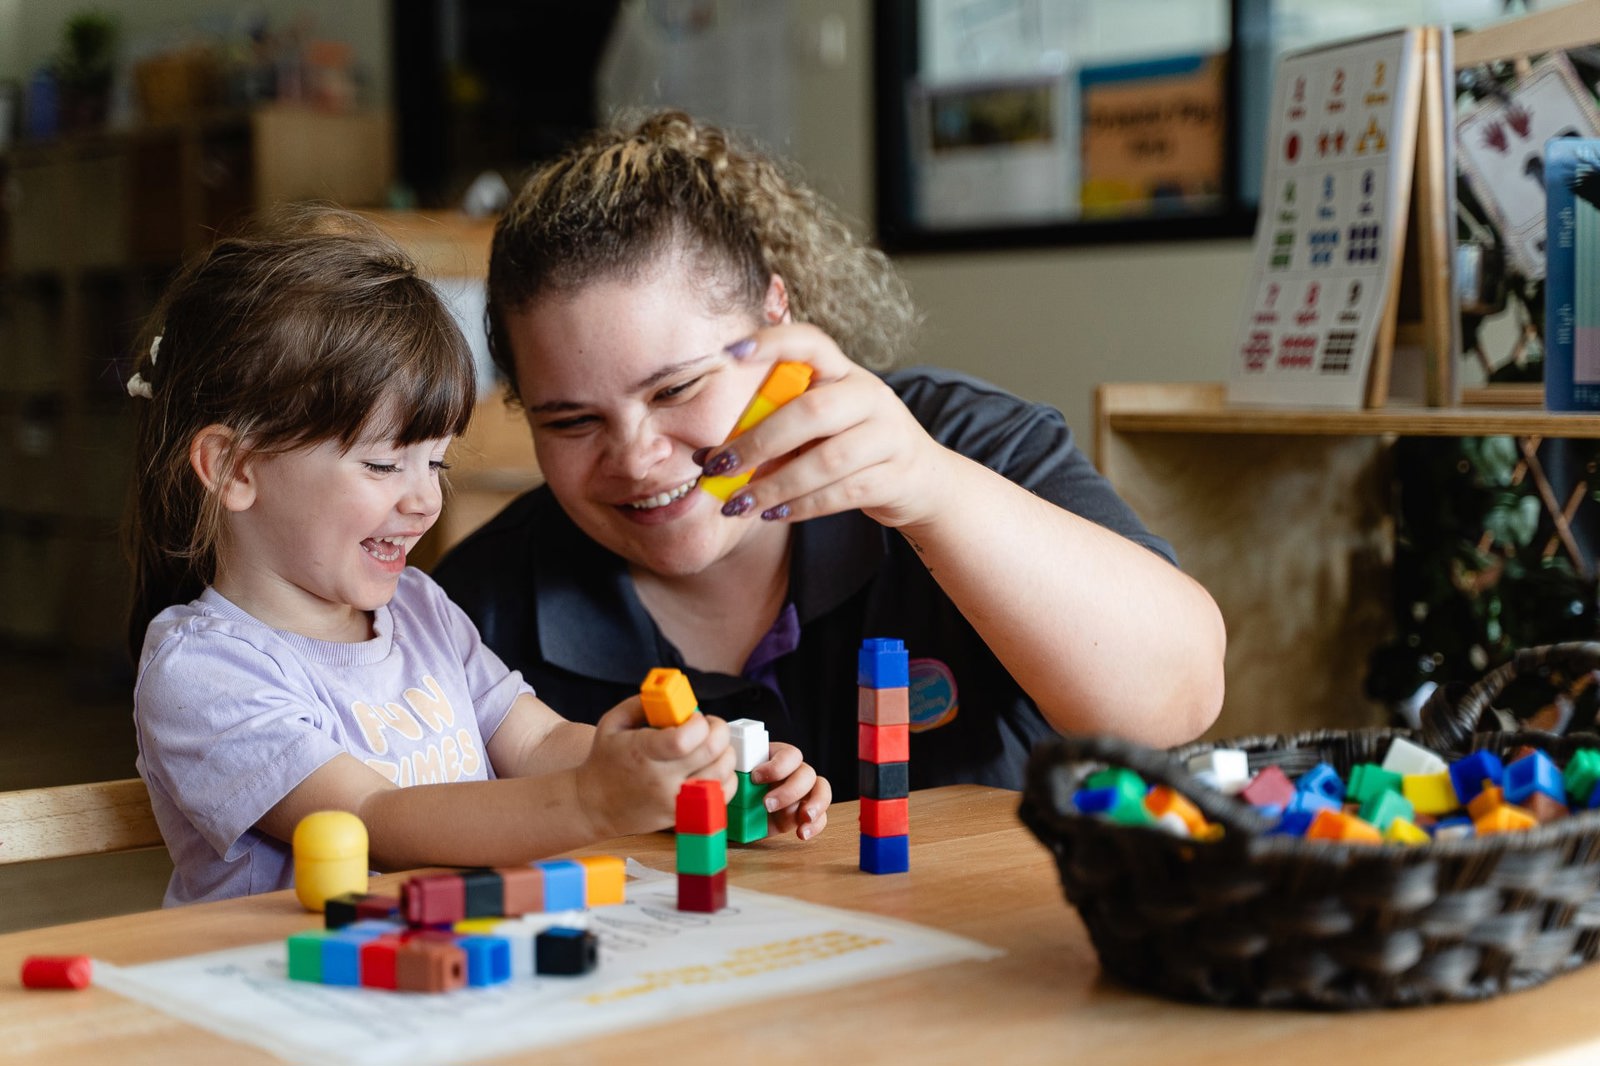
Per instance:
(1280,921)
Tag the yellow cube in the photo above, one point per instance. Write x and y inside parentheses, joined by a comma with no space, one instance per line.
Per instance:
(1430,793)
(603,879)
(1402,831)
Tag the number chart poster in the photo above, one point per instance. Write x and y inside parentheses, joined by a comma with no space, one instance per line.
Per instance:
(1334,197)
(656,964)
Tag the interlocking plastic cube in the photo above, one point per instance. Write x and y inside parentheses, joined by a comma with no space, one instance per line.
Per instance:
(883,662)
(667,697)
(1469,773)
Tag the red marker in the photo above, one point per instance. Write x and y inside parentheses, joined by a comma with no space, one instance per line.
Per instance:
(56,971)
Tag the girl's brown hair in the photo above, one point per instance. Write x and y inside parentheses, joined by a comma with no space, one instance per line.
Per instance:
(615,205)
(313,327)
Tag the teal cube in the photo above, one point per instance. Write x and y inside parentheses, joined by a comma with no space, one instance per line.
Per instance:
(1580,775)
(747,824)
(702,853)
(1385,807)
(1368,781)
(305,955)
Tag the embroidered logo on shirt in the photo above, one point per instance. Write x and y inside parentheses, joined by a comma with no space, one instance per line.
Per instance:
(934,699)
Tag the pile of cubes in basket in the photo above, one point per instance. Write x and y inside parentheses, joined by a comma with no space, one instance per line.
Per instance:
(1412,797)
(472,927)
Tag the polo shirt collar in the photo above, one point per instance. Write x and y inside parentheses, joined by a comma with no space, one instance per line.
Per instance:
(591,622)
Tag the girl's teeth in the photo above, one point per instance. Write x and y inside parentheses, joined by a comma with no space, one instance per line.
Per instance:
(386,549)
(661,499)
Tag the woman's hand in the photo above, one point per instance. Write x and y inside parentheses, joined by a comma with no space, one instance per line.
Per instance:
(846,443)
(798,799)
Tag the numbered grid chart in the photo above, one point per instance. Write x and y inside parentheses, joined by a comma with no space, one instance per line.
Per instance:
(1333,205)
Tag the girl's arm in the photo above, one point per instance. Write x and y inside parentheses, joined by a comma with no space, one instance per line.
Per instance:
(626,783)
(1101,632)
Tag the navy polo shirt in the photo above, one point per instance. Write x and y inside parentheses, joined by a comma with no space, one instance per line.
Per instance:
(563,610)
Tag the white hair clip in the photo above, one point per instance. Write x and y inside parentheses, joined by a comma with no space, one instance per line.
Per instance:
(137,385)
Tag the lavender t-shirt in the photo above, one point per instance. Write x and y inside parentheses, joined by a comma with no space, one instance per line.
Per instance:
(232,714)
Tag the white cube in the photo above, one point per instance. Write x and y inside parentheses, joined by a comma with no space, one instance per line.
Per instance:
(1405,758)
(1227,769)
(751,745)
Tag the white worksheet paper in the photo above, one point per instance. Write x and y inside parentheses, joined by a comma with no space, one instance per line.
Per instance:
(656,963)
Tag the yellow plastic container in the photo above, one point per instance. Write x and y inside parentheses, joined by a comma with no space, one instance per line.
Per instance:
(330,857)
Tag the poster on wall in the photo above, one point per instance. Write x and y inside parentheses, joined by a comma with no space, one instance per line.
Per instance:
(1153,136)
(993,152)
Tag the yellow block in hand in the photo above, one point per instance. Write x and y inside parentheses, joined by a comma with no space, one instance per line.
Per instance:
(668,699)
(784,382)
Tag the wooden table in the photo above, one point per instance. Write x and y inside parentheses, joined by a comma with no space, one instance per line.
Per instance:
(975,871)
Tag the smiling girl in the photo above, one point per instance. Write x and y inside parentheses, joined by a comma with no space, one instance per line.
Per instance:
(294,415)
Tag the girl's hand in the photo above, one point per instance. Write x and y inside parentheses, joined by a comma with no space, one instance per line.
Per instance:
(847,443)
(629,783)
(798,799)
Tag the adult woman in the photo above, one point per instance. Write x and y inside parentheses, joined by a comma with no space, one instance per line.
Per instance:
(640,287)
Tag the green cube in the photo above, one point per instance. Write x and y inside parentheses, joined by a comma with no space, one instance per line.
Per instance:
(747,824)
(305,955)
(1582,771)
(1385,807)
(749,794)
(702,853)
(1368,781)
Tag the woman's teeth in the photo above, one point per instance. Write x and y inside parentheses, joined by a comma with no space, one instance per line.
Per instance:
(661,499)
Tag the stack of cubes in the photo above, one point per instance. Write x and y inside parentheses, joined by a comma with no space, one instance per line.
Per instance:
(883,727)
(702,826)
(747,811)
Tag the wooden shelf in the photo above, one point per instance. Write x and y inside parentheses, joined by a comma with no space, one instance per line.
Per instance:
(1202,407)
(1285,516)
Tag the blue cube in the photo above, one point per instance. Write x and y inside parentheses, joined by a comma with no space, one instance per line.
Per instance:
(1469,773)
(885,855)
(564,884)
(341,955)
(1293,823)
(883,663)
(1534,773)
(1323,780)
(488,959)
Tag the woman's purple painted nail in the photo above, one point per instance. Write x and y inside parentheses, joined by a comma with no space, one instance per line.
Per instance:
(741,348)
(772,514)
(699,456)
(738,505)
(722,463)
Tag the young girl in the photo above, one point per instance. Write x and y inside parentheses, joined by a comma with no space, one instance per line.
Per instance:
(295,405)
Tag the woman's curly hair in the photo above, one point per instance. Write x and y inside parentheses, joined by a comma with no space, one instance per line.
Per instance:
(614,205)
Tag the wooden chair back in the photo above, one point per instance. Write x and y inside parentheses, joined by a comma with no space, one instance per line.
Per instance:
(68,820)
